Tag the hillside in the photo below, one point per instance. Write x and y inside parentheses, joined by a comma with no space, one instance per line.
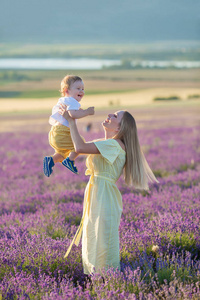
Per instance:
(98,21)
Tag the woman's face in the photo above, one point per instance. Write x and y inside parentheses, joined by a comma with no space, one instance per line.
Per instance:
(113,121)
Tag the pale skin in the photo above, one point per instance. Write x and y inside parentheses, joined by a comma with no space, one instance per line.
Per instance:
(76,91)
(111,126)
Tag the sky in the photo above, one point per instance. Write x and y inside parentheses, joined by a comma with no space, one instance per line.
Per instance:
(102,21)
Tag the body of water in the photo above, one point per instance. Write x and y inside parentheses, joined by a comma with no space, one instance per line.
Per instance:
(86,64)
(56,64)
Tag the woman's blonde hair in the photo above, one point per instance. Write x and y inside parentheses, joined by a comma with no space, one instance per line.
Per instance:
(67,82)
(136,171)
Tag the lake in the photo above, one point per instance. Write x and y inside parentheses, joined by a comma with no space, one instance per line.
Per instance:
(56,64)
(85,64)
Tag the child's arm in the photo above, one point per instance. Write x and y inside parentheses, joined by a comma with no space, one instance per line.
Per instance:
(81,113)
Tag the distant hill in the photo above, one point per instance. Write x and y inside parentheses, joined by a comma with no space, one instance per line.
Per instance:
(126,52)
(92,21)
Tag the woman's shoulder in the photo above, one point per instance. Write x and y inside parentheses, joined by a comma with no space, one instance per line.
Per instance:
(121,144)
(111,142)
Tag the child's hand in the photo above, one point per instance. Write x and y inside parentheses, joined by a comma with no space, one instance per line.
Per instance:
(90,110)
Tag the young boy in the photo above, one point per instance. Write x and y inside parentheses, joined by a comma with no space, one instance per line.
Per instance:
(72,90)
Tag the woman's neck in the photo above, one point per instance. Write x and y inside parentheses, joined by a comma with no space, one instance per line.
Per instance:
(109,134)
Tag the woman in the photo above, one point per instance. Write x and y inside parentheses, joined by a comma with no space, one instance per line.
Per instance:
(102,201)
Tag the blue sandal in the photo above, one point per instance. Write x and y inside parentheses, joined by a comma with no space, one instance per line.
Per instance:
(48,164)
(69,164)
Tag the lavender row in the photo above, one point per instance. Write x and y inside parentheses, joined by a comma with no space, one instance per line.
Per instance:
(159,230)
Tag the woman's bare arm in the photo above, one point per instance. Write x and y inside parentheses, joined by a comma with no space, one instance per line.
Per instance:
(79,145)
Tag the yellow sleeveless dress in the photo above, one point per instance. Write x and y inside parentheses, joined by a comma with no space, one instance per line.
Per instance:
(102,209)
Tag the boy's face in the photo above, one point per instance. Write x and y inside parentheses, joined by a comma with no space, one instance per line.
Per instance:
(76,90)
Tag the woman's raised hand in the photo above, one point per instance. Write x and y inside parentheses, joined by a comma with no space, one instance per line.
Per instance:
(63,112)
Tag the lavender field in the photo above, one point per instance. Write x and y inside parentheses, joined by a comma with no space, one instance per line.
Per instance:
(159,230)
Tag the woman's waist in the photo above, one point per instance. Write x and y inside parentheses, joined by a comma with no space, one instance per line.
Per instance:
(102,175)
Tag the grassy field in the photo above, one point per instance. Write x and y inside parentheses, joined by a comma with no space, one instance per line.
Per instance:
(104,100)
(46,84)
(27,97)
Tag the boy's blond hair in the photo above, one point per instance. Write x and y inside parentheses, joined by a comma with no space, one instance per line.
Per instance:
(67,82)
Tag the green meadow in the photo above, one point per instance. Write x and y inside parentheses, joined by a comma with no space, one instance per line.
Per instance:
(46,84)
